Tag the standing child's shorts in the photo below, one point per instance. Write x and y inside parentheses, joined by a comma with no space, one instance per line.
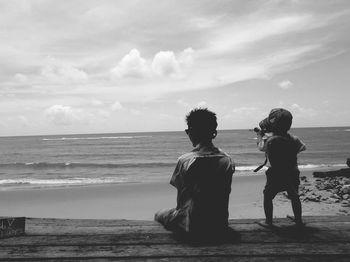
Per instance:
(282,181)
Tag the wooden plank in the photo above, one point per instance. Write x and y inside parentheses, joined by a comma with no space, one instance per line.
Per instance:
(178,250)
(168,238)
(76,229)
(11,226)
(123,222)
(313,258)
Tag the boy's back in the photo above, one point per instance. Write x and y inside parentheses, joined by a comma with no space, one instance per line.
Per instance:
(203,181)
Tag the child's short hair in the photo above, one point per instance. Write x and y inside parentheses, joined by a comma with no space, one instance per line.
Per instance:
(282,119)
(203,121)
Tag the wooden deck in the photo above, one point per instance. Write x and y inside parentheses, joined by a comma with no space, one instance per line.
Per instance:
(324,239)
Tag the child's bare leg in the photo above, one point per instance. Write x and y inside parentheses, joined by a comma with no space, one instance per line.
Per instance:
(268,208)
(296,205)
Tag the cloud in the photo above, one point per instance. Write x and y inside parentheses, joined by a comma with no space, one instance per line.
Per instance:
(21,78)
(60,72)
(117,106)
(303,112)
(131,65)
(165,64)
(254,29)
(285,84)
(64,115)
(186,58)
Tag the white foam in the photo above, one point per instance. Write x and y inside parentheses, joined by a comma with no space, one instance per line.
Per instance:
(61,182)
(93,138)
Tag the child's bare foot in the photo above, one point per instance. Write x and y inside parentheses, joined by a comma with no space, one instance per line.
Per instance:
(266,224)
(298,222)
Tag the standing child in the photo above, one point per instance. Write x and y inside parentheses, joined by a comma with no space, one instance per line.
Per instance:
(281,150)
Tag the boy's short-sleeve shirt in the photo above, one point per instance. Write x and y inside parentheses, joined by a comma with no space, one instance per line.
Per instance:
(202,178)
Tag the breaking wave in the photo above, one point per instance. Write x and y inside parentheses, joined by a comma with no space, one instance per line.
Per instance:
(93,138)
(48,165)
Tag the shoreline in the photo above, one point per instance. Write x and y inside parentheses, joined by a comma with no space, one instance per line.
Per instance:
(25,187)
(139,201)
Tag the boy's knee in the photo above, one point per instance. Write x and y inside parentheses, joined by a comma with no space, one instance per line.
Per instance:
(164,216)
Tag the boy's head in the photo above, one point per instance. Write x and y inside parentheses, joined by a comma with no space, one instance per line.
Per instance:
(278,121)
(202,125)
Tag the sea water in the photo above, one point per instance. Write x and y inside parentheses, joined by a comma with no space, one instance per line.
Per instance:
(85,159)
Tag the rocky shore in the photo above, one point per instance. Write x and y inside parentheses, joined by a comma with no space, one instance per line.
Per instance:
(327,190)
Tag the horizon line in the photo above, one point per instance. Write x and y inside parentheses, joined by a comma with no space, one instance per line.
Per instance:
(160,131)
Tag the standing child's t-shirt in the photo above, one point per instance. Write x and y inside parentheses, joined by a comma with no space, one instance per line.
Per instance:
(281,152)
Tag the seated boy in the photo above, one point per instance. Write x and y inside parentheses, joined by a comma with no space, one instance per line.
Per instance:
(281,151)
(203,181)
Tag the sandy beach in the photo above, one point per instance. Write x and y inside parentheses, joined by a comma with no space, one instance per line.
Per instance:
(141,201)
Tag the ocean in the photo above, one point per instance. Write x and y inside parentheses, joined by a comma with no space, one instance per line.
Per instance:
(85,159)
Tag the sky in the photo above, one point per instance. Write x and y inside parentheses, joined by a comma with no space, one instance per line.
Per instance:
(84,66)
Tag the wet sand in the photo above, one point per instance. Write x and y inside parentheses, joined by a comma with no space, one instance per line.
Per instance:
(141,201)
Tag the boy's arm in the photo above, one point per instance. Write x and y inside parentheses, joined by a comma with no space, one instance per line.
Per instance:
(175,179)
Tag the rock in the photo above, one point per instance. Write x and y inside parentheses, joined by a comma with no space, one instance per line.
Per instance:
(312,198)
(334,196)
(346,196)
(343,210)
(345,189)
(345,172)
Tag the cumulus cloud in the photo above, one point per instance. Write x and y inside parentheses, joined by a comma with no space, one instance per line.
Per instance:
(117,106)
(186,57)
(64,115)
(165,64)
(59,72)
(132,65)
(285,84)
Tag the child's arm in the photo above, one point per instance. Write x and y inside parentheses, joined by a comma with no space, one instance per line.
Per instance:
(262,141)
